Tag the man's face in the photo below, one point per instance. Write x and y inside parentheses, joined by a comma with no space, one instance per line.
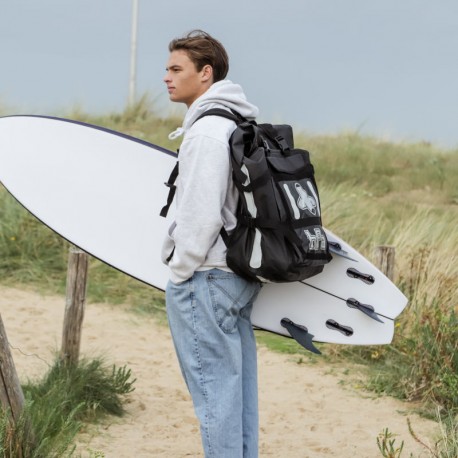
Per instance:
(184,83)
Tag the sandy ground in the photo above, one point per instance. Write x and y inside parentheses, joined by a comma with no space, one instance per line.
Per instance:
(305,409)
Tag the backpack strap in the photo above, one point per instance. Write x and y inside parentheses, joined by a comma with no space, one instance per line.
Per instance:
(232,115)
(170,184)
(238,119)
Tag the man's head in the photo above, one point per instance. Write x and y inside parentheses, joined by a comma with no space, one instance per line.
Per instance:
(195,63)
(203,50)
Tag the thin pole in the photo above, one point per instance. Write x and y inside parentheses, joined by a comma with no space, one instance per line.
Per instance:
(133,53)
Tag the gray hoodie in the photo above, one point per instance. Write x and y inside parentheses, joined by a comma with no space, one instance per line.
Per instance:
(206,199)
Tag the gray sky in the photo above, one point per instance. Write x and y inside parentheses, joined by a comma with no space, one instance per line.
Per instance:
(383,67)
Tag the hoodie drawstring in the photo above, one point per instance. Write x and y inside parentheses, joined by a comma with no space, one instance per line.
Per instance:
(176,133)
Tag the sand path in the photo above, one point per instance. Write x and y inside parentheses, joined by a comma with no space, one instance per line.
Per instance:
(305,411)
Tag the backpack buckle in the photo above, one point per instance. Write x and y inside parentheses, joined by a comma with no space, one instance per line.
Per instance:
(248,221)
(282,143)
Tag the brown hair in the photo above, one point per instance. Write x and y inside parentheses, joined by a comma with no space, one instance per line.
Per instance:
(203,50)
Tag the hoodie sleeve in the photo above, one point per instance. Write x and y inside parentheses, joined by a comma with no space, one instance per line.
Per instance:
(203,177)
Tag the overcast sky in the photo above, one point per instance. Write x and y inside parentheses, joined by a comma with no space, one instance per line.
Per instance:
(381,67)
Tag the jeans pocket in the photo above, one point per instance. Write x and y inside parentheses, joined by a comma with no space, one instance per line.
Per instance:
(229,295)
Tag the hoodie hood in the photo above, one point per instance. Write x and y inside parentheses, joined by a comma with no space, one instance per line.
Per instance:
(221,94)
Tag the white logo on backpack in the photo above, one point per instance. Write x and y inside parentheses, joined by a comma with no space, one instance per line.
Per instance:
(306,201)
(317,241)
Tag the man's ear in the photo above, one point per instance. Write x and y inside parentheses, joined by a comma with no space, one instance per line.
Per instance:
(207,73)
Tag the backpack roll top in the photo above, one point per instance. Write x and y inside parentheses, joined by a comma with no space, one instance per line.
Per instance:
(278,236)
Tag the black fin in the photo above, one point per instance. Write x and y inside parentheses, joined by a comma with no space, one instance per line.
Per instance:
(336,248)
(300,334)
(365,308)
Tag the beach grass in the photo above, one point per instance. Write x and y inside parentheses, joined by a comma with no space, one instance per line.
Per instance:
(58,405)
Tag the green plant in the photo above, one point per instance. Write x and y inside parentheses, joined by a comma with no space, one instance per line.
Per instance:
(91,383)
(446,445)
(42,431)
(386,445)
(57,406)
(422,366)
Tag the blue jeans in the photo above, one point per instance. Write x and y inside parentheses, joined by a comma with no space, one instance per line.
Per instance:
(209,317)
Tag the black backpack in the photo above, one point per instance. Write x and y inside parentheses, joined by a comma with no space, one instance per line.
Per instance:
(278,236)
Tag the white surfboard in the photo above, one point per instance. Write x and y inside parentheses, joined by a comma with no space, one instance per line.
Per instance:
(103,191)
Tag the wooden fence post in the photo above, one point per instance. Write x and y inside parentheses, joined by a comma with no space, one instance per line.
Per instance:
(384,260)
(74,305)
(11,395)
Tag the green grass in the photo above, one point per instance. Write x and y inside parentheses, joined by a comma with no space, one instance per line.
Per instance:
(57,406)
(92,383)
(40,432)
(139,120)
(422,362)
(381,168)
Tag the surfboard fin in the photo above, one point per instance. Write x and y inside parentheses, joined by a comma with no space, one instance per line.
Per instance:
(365,308)
(337,249)
(300,334)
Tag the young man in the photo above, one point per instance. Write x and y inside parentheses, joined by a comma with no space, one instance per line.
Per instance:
(208,306)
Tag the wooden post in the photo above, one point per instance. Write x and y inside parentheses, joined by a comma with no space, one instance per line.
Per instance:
(11,395)
(74,305)
(384,260)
